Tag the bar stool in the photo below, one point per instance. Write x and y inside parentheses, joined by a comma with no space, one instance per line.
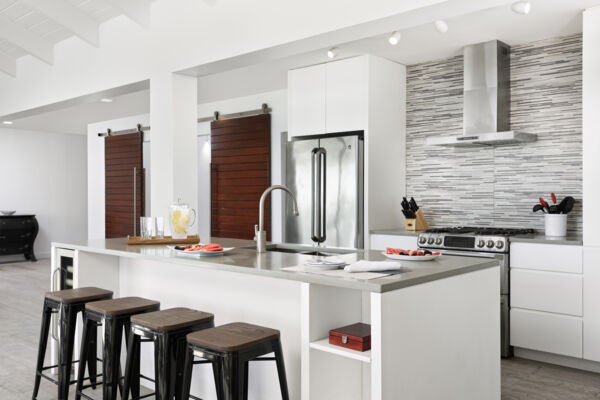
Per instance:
(114,317)
(168,330)
(67,304)
(230,347)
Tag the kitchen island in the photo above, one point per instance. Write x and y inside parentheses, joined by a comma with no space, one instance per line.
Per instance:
(435,327)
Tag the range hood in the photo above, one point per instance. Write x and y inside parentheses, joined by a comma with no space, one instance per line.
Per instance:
(486,108)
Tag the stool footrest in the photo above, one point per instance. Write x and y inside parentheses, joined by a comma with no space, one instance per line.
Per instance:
(202,362)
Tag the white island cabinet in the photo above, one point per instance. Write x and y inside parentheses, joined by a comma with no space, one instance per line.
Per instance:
(435,327)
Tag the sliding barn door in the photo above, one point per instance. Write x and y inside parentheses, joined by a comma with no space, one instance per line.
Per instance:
(124,184)
(240,172)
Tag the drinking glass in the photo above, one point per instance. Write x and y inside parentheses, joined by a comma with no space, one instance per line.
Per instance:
(159,228)
(146,228)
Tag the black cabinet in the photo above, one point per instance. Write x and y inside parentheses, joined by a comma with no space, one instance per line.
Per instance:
(17,234)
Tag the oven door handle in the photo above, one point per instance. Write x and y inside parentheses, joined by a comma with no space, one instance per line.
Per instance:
(471,254)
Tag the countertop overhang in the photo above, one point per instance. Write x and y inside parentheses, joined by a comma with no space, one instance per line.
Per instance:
(244,259)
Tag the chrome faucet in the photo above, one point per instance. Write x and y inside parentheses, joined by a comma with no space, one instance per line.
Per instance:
(260,235)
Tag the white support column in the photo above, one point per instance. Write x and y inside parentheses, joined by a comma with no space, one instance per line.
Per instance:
(174,157)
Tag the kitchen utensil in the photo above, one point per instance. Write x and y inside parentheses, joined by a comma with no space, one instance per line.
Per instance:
(553,209)
(405,205)
(569,203)
(179,219)
(553,197)
(539,207)
(413,204)
(544,204)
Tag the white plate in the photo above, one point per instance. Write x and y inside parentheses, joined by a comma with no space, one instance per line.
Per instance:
(324,266)
(201,253)
(410,258)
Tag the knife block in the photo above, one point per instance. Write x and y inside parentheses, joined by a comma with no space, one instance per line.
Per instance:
(416,224)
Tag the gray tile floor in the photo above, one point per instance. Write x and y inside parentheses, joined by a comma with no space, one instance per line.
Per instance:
(23,284)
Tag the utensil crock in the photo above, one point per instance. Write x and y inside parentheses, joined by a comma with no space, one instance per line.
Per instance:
(556,224)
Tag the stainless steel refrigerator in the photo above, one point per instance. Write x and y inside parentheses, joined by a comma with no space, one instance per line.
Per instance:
(326,175)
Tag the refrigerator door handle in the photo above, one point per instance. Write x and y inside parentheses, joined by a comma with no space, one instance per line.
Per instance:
(319,163)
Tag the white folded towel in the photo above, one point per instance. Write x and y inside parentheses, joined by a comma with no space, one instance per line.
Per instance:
(371,266)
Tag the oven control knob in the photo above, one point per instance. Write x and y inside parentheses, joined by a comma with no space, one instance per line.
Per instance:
(438,241)
(422,240)
(490,243)
(499,244)
(480,243)
(430,240)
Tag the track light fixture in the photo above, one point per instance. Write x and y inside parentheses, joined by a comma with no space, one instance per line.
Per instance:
(441,26)
(521,7)
(394,38)
(333,52)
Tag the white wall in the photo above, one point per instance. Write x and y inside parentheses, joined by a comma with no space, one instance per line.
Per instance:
(45,174)
(277,100)
(591,126)
(95,169)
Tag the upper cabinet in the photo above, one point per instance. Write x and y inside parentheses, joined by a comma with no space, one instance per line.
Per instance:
(328,98)
(306,101)
(347,95)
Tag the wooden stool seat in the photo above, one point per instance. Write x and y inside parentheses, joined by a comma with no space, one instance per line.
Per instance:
(79,295)
(122,306)
(172,319)
(236,336)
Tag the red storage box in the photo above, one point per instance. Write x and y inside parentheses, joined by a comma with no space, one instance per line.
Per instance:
(355,337)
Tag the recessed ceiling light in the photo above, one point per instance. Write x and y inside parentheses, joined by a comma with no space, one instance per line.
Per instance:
(395,38)
(333,52)
(7,122)
(106,100)
(441,26)
(521,7)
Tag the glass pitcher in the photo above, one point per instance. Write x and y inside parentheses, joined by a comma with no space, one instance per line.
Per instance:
(179,219)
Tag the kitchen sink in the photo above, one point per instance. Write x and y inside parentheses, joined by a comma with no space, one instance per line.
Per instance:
(307,250)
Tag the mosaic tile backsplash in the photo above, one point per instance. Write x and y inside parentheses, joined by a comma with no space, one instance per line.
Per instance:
(499,185)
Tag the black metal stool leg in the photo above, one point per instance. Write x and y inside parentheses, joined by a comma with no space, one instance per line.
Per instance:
(111,358)
(232,377)
(281,370)
(164,355)
(186,376)
(68,321)
(92,354)
(46,314)
(246,380)
(83,354)
(130,373)
(180,358)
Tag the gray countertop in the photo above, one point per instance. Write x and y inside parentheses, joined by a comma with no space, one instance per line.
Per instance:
(395,231)
(270,264)
(572,240)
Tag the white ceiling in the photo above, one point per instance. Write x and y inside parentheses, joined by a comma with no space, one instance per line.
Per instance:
(548,18)
(33,27)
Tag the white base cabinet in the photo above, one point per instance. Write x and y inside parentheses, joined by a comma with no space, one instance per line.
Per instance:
(547,298)
(591,303)
(552,333)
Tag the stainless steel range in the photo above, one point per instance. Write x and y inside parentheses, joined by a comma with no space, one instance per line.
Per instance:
(484,243)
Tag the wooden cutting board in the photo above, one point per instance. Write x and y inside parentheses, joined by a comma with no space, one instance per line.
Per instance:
(192,239)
